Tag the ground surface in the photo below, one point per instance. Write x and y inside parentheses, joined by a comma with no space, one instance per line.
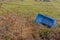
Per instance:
(17,20)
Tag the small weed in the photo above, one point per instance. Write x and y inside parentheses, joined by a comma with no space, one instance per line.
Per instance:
(44,33)
(7,37)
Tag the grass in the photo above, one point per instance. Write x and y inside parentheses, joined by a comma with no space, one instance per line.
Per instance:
(30,8)
(49,8)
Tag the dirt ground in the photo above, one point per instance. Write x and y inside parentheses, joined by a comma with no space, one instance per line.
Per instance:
(23,27)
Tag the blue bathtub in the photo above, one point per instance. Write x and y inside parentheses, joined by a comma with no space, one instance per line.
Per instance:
(46,20)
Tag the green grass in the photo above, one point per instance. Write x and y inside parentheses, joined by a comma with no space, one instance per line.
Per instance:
(32,8)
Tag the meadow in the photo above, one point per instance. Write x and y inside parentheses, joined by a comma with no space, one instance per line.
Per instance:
(17,20)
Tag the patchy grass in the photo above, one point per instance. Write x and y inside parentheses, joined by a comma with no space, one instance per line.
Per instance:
(21,8)
(22,16)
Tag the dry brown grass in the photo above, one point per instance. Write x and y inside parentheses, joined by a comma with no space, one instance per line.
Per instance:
(23,27)
(16,27)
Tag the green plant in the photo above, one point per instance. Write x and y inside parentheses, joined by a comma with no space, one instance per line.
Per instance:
(6,37)
(44,33)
